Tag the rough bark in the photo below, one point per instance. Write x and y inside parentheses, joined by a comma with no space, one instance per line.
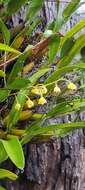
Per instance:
(57,165)
(52,166)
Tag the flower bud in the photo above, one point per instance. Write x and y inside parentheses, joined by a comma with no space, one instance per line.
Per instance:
(72,86)
(35,91)
(42,101)
(17,106)
(57,90)
(29,103)
(43,89)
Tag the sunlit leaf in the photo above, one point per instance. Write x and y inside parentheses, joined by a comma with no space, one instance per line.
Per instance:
(70,8)
(17,42)
(38,74)
(4,47)
(7,174)
(2,188)
(2,74)
(76,28)
(14,151)
(3,154)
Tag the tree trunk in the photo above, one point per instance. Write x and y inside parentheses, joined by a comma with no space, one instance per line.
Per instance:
(57,165)
(53,166)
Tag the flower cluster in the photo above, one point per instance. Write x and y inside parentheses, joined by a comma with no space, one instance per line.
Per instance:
(41,90)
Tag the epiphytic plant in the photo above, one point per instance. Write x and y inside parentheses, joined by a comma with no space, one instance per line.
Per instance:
(22,92)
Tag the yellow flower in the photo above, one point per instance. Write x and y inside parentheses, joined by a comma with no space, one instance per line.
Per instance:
(43,89)
(72,86)
(57,90)
(29,103)
(17,106)
(42,101)
(38,90)
(35,90)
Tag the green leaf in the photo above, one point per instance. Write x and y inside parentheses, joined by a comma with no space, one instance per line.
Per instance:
(58,5)
(4,94)
(59,72)
(48,33)
(5,31)
(62,18)
(7,174)
(82,52)
(4,47)
(38,74)
(53,48)
(34,7)
(74,30)
(58,22)
(65,127)
(70,8)
(82,86)
(33,26)
(17,68)
(67,46)
(2,188)
(14,6)
(14,151)
(62,132)
(79,43)
(18,84)
(17,42)
(66,108)
(14,114)
(3,154)
(2,74)
(58,128)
